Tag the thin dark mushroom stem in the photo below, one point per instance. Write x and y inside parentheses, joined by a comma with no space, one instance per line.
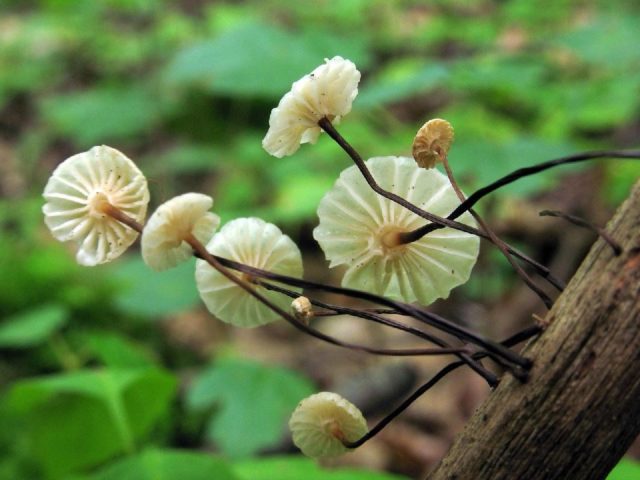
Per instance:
(403,308)
(439,222)
(517,372)
(497,241)
(201,252)
(581,222)
(367,315)
(513,340)
(204,254)
(525,172)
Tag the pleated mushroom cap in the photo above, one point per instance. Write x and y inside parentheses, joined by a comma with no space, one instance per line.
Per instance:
(320,423)
(256,243)
(328,91)
(162,241)
(76,194)
(358,228)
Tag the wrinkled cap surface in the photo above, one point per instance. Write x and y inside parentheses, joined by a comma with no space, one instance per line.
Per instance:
(162,241)
(357,228)
(434,137)
(321,421)
(76,194)
(256,243)
(328,91)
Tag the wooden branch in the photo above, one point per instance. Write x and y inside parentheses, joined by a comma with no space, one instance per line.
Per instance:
(580,410)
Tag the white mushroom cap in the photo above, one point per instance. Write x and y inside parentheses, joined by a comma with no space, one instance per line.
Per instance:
(358,227)
(328,91)
(256,243)
(320,423)
(162,241)
(76,193)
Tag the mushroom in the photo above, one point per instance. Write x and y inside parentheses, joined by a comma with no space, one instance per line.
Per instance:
(81,194)
(328,92)
(362,230)
(256,243)
(322,422)
(164,237)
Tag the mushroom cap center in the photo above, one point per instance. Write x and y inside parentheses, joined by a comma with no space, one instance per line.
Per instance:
(390,239)
(98,203)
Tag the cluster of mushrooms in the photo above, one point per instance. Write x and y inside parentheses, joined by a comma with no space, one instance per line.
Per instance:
(98,201)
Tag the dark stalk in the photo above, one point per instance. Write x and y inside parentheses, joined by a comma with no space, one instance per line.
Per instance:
(581,222)
(366,315)
(513,340)
(212,260)
(497,241)
(525,172)
(219,263)
(201,252)
(402,308)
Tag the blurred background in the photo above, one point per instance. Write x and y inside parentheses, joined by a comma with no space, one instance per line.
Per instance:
(117,372)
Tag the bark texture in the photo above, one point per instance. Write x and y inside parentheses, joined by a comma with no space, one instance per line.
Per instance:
(580,410)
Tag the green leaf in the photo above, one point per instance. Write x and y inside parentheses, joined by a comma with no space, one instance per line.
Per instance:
(79,419)
(610,40)
(183,159)
(153,294)
(500,79)
(115,350)
(254,403)
(295,468)
(626,469)
(103,115)
(254,60)
(401,80)
(166,465)
(595,103)
(32,327)
(620,176)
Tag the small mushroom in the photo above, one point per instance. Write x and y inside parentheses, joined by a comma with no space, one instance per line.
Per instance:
(302,309)
(163,238)
(79,195)
(322,422)
(433,140)
(256,243)
(328,92)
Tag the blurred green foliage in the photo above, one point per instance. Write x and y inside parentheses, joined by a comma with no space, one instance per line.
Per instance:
(625,470)
(82,418)
(89,385)
(247,395)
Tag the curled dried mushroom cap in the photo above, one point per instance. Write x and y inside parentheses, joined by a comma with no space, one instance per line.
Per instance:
(432,140)
(321,423)
(328,91)
(79,194)
(163,239)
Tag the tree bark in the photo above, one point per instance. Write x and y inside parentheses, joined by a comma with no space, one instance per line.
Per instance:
(580,410)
